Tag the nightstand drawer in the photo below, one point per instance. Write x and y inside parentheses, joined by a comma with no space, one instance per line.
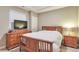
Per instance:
(70,41)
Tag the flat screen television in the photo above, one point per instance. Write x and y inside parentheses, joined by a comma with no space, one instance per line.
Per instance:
(19,24)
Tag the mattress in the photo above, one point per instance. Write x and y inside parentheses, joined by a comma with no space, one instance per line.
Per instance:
(51,36)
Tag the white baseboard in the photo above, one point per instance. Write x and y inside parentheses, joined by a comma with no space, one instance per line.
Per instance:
(2,47)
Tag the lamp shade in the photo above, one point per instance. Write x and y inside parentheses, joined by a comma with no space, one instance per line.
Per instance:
(68,25)
(69,32)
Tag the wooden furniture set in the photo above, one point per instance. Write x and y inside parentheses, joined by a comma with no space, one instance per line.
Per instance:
(32,44)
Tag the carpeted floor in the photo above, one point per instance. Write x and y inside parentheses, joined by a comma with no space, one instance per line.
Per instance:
(63,49)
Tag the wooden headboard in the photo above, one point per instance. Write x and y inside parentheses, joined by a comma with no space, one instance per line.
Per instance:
(53,28)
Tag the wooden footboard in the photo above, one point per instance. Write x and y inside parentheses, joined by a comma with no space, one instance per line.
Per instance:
(35,45)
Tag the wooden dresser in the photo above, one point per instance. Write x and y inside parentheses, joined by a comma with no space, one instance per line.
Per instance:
(13,38)
(71,41)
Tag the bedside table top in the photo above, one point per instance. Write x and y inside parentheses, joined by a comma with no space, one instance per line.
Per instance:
(71,36)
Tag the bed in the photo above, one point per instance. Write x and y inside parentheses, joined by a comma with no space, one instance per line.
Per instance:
(47,40)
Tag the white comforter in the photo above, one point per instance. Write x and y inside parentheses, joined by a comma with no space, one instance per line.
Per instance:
(52,36)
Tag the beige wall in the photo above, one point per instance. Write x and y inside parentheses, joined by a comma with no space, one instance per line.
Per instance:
(21,10)
(34,21)
(78,21)
(78,16)
(4,16)
(59,17)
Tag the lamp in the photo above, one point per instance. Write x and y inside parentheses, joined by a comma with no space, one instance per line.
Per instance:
(69,30)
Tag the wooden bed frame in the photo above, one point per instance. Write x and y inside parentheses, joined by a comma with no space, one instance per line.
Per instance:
(39,45)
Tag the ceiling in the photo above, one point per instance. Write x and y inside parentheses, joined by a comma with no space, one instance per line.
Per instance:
(41,9)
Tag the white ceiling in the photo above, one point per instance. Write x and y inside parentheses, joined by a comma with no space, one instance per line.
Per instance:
(41,9)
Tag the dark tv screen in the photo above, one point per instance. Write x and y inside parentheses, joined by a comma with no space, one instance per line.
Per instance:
(18,24)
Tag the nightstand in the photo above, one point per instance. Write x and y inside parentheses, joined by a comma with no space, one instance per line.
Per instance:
(71,41)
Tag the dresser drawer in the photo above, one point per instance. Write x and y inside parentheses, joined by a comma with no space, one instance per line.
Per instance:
(13,38)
